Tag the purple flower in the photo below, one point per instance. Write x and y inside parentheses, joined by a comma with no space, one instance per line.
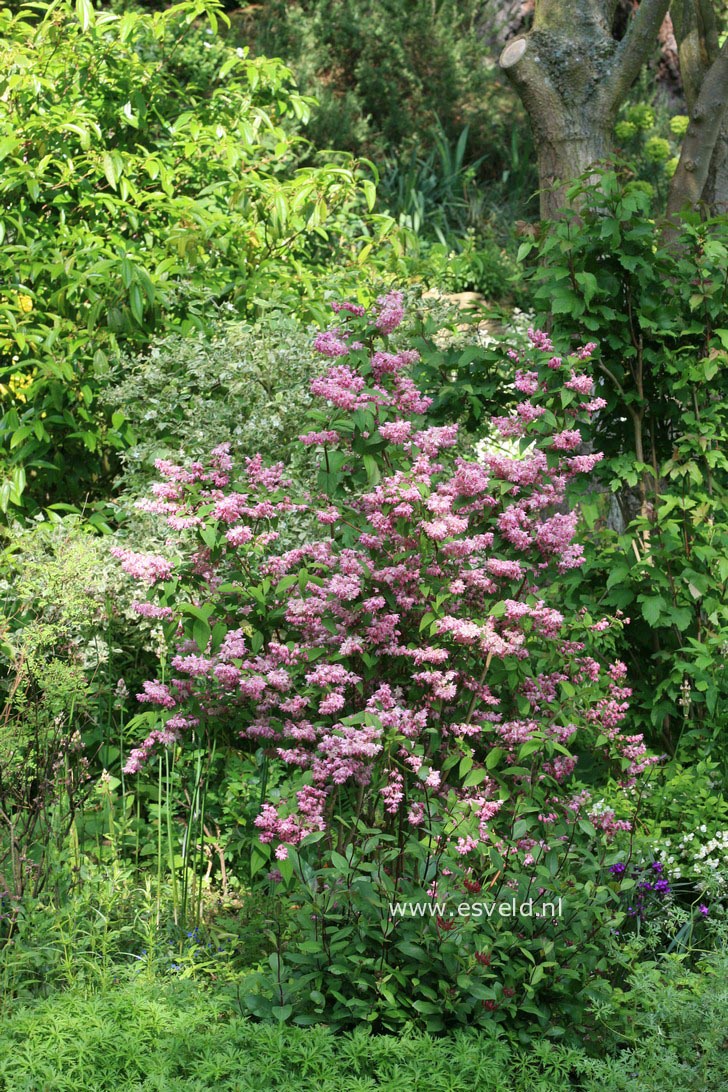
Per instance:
(618,868)
(703,909)
(656,866)
(662,887)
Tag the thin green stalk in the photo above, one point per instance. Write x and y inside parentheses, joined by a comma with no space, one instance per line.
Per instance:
(198,914)
(121,755)
(137,831)
(194,805)
(170,842)
(159,842)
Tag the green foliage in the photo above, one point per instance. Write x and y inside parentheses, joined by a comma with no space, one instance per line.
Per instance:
(347,957)
(433,194)
(685,823)
(154,1036)
(147,1032)
(676,1031)
(659,315)
(243,383)
(417,89)
(139,185)
(390,77)
(53,583)
(681,797)
(469,263)
(112,923)
(648,136)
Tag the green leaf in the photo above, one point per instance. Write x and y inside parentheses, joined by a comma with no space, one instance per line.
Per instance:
(588,284)
(201,633)
(681,617)
(259,857)
(652,608)
(85,14)
(136,303)
(110,170)
(493,757)
(372,468)
(524,250)
(466,764)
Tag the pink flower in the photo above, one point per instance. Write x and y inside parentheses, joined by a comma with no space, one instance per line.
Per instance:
(352,308)
(326,436)
(540,340)
(397,432)
(567,440)
(582,384)
(390,312)
(433,440)
(149,568)
(329,343)
(391,363)
(340,386)
(158,694)
(594,404)
(238,536)
(526,382)
(151,610)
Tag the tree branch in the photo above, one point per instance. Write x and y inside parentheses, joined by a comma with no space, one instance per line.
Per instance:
(707,117)
(696,33)
(521,64)
(634,48)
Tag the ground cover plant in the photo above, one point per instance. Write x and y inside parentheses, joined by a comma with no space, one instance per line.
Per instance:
(151,1033)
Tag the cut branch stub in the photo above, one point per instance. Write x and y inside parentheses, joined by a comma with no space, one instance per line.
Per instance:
(513,52)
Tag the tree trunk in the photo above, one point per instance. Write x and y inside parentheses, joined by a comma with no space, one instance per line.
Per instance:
(696,31)
(572,75)
(567,147)
(715,193)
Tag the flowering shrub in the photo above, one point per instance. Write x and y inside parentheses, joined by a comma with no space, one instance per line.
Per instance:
(431,706)
(699,860)
(685,820)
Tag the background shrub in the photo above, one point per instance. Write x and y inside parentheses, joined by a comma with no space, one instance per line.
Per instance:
(139,188)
